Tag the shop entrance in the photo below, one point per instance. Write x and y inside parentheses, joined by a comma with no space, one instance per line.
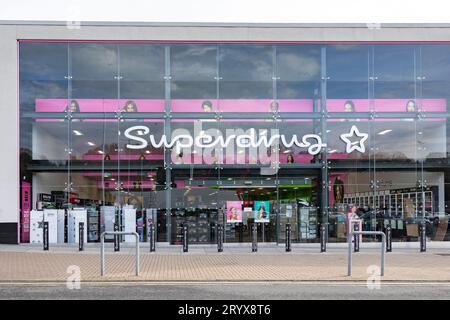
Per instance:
(271,207)
(237,201)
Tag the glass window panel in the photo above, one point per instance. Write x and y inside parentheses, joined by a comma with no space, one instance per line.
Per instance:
(194,77)
(348,74)
(246,71)
(298,70)
(141,71)
(394,72)
(94,68)
(435,61)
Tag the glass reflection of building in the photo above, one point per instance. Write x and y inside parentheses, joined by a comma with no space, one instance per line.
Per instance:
(219,89)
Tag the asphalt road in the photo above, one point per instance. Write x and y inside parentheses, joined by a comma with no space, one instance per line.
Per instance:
(226,291)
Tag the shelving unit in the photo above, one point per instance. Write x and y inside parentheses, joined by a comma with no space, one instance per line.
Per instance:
(393,201)
(199,222)
(293,220)
(93,224)
(308,221)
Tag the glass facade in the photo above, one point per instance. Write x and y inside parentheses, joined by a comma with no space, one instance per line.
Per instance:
(231,134)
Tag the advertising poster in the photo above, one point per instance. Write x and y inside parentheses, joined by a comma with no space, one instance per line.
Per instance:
(26,207)
(234,211)
(262,211)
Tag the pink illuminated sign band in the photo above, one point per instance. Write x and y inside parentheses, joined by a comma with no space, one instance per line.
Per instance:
(240,105)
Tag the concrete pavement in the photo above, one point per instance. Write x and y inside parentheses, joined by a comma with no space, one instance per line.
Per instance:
(237,263)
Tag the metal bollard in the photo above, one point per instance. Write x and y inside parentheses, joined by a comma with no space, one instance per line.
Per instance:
(152,238)
(423,237)
(388,238)
(81,236)
(219,238)
(116,238)
(185,238)
(323,238)
(45,235)
(288,237)
(255,237)
(356,238)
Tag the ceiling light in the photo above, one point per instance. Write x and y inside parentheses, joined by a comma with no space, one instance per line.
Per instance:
(286,151)
(77,133)
(91,143)
(332,151)
(384,132)
(100,151)
(147,151)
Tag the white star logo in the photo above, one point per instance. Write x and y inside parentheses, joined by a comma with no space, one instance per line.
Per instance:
(352,146)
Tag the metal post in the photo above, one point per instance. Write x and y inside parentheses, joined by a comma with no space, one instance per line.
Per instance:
(349,240)
(138,262)
(263,232)
(116,238)
(288,237)
(45,235)
(102,249)
(81,236)
(388,238)
(349,248)
(185,238)
(219,238)
(323,238)
(102,253)
(255,237)
(356,237)
(241,233)
(152,237)
(423,237)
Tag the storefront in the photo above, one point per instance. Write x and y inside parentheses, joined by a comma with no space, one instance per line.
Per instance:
(232,133)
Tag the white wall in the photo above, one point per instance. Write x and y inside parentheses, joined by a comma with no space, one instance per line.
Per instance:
(9,137)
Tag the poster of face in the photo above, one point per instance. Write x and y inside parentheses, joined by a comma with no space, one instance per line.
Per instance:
(234,211)
(262,211)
